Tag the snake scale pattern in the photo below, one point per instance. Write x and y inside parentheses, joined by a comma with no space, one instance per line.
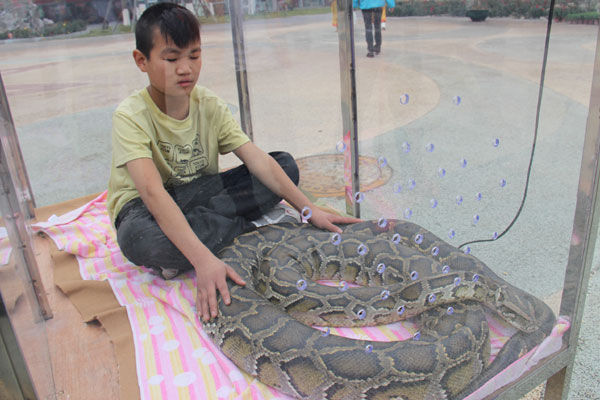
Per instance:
(404,271)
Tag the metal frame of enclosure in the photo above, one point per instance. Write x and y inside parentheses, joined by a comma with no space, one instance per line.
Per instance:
(17,204)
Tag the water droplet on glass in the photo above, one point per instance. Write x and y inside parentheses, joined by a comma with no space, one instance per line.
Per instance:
(456,100)
(495,235)
(306,213)
(435,251)
(404,98)
(382,162)
(411,184)
(414,275)
(301,284)
(382,222)
(433,203)
(457,281)
(343,286)
(340,146)
(502,182)
(417,336)
(451,233)
(446,269)
(475,277)
(441,172)
(450,310)
(396,238)
(368,348)
(431,298)
(361,314)
(336,239)
(362,249)
(380,268)
(463,162)
(478,196)
(326,332)
(467,250)
(406,147)
(385,294)
(459,199)
(400,310)
(475,219)
(418,238)
(359,197)
(407,213)
(397,188)
(430,147)
(496,142)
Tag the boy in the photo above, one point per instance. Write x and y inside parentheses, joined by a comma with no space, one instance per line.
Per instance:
(171,208)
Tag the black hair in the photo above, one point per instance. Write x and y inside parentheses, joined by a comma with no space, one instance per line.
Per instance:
(174,22)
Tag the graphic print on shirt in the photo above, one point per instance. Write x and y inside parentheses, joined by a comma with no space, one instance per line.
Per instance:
(187,161)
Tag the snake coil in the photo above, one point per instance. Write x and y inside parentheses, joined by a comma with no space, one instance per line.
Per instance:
(266,330)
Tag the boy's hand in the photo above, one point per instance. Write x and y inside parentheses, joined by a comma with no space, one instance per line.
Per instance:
(210,277)
(324,220)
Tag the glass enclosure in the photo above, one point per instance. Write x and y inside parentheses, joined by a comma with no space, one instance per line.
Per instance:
(473,130)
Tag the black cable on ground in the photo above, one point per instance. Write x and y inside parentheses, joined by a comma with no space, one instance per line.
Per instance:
(535,132)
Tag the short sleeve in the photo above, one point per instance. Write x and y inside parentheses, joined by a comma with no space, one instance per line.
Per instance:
(130,142)
(230,135)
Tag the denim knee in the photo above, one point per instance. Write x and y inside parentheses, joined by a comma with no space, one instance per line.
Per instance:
(288,164)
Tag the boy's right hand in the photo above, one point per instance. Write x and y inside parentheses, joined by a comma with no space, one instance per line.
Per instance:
(210,277)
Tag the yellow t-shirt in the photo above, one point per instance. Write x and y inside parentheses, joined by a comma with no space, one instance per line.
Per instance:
(182,150)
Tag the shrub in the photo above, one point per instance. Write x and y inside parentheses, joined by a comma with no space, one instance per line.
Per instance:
(581,17)
(64,27)
(429,7)
(48,30)
(497,8)
(562,10)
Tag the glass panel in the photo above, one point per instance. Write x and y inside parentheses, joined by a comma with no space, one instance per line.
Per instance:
(446,121)
(293,66)
(456,128)
(450,105)
(23,335)
(62,92)
(29,330)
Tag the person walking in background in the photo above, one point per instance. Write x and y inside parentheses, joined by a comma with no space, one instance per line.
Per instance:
(371,11)
(334,13)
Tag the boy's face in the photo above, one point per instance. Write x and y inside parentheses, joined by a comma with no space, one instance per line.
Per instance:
(172,71)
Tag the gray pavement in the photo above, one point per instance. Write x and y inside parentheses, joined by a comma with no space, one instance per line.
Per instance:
(62,93)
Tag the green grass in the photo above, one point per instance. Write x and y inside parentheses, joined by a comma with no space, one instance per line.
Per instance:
(120,29)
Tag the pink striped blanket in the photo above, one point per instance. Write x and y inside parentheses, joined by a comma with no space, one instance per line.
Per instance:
(175,359)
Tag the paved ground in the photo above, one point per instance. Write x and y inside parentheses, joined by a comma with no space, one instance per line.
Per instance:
(445,82)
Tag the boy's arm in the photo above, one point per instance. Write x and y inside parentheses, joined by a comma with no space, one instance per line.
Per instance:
(211,273)
(270,173)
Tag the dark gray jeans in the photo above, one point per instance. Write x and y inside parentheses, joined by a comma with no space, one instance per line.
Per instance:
(217,207)
(372,18)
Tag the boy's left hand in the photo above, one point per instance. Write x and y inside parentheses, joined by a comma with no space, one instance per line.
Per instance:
(324,220)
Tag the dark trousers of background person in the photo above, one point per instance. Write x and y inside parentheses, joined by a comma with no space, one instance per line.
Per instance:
(218,208)
(372,17)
